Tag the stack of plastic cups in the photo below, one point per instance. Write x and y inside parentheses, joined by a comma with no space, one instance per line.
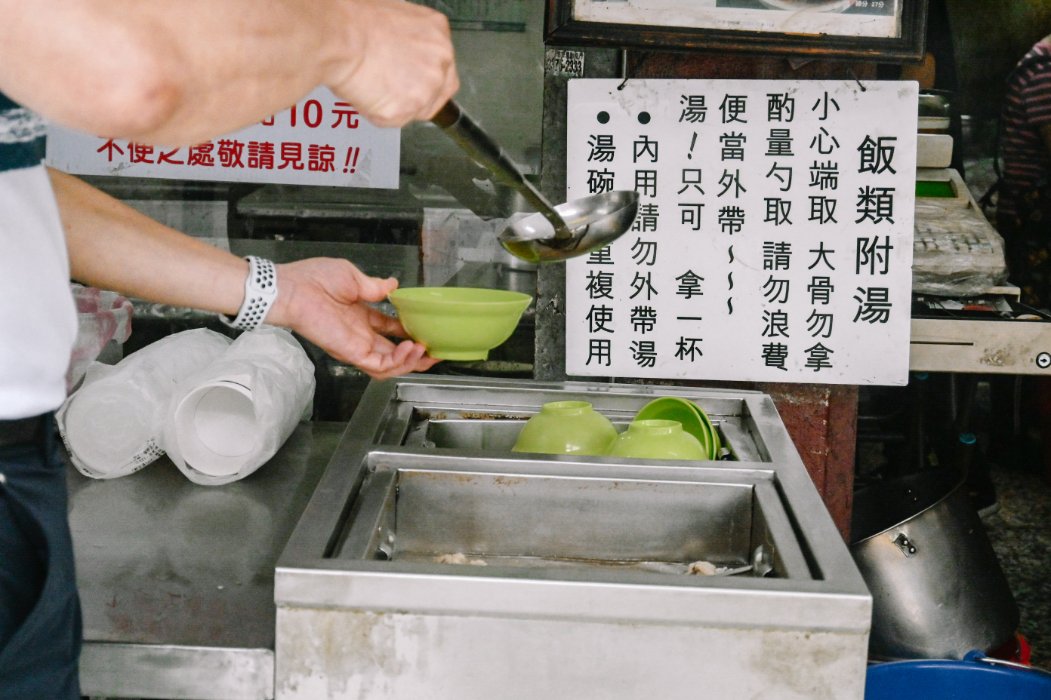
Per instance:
(230,417)
(112,425)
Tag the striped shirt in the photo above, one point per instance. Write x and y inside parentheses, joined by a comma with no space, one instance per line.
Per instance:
(38,323)
(21,136)
(1027,107)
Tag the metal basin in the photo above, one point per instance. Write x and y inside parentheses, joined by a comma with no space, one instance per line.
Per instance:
(426,515)
(496,433)
(482,415)
(467,433)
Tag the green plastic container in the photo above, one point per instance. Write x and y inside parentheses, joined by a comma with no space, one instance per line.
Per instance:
(566,427)
(657,439)
(459,323)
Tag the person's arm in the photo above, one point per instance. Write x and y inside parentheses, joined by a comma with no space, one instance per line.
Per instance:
(183,71)
(326,300)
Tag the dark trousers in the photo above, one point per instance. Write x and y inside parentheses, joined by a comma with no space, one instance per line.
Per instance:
(40,623)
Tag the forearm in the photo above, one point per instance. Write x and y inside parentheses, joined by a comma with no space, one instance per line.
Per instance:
(113,246)
(169,72)
(327,300)
(185,71)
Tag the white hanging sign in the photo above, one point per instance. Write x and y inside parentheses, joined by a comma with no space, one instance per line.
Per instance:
(321,140)
(774,235)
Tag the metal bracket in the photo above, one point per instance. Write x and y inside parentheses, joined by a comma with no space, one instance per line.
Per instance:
(905,544)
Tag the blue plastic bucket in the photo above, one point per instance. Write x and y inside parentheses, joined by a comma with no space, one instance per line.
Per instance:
(974,678)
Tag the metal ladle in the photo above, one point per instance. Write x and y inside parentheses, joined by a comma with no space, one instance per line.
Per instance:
(554,233)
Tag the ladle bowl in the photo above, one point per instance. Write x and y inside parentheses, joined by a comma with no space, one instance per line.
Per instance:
(554,233)
(594,222)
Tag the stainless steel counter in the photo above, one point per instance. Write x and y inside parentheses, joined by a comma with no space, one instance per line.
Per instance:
(177,580)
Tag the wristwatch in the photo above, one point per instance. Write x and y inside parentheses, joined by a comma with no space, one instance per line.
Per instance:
(260,293)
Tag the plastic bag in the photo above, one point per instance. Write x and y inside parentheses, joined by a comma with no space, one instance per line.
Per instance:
(102,317)
(956,252)
(112,424)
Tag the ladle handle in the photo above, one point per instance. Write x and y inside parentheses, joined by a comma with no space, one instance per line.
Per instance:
(472,139)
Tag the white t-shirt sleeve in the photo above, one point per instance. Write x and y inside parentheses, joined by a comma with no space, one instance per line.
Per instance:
(38,323)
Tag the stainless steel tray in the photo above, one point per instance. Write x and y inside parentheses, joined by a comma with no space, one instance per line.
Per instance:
(623,524)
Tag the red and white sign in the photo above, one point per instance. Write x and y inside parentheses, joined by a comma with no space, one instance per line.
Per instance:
(321,140)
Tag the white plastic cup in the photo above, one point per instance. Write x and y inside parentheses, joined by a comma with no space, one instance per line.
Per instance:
(109,432)
(216,427)
(229,418)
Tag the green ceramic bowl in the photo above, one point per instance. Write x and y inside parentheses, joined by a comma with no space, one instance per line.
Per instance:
(459,323)
(692,417)
(566,427)
(657,439)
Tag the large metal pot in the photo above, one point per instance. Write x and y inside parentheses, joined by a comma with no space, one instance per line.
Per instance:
(937,587)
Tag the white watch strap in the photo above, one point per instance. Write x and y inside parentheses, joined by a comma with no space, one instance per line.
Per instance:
(260,292)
